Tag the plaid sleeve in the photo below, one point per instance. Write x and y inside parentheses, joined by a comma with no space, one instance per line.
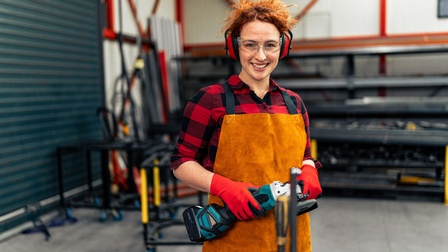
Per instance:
(197,129)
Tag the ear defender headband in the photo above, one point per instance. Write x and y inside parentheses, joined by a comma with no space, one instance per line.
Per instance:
(232,45)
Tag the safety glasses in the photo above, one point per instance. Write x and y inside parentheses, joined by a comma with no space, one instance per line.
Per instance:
(251,46)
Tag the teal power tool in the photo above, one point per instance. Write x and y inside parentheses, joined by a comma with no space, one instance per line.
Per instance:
(205,223)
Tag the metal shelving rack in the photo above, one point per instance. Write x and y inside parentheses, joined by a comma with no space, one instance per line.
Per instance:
(393,156)
(349,108)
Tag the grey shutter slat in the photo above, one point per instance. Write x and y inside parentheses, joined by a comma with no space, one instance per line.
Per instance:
(50,86)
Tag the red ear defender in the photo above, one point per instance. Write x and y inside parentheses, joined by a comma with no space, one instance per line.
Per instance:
(286,44)
(232,46)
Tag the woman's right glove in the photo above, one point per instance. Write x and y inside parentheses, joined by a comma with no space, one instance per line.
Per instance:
(236,196)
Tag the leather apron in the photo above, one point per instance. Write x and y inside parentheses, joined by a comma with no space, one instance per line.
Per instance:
(259,148)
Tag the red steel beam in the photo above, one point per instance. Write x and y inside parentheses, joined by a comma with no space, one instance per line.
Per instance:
(230,2)
(179,11)
(155,7)
(306,9)
(180,19)
(109,30)
(133,7)
(383,19)
(383,33)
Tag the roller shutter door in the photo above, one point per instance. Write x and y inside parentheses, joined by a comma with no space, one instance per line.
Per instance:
(51,82)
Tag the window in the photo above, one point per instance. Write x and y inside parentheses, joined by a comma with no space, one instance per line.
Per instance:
(442,10)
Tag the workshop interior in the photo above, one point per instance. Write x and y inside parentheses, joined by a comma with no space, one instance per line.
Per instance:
(92,94)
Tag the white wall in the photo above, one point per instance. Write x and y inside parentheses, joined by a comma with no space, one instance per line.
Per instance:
(203,20)
(326,19)
(414,16)
(166,9)
(338,18)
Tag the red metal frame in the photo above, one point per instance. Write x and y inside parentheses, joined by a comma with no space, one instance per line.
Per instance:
(165,85)
(180,17)
(383,19)
(383,33)
(382,38)
(179,11)
(109,30)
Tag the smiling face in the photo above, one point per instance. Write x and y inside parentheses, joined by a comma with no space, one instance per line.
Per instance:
(257,66)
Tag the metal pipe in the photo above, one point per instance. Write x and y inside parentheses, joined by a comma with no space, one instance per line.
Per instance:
(446,177)
(293,210)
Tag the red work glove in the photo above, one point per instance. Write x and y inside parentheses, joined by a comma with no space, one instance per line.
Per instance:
(310,179)
(236,195)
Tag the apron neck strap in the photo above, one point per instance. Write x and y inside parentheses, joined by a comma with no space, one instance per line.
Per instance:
(230,101)
(292,109)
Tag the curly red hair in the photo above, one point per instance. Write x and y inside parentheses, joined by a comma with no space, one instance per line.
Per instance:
(271,11)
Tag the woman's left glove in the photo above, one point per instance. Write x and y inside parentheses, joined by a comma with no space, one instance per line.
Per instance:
(310,179)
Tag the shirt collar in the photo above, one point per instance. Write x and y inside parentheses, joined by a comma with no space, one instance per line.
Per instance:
(236,83)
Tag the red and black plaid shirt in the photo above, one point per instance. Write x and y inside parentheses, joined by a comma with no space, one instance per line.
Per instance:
(204,113)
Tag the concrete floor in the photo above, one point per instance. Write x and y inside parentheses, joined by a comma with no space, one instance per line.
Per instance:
(339,224)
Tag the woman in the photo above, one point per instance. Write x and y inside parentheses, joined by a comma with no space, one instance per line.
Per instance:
(249,131)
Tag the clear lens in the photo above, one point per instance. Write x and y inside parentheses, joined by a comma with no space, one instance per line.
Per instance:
(251,46)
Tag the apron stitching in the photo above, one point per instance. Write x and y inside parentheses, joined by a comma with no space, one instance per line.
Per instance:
(230,118)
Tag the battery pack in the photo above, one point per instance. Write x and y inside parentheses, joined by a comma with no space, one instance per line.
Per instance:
(193,230)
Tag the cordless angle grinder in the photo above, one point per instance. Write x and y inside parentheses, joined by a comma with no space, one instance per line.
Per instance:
(205,223)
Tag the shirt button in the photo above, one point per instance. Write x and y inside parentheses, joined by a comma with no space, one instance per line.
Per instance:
(264,106)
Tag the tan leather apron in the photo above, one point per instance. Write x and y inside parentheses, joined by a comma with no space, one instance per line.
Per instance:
(259,148)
